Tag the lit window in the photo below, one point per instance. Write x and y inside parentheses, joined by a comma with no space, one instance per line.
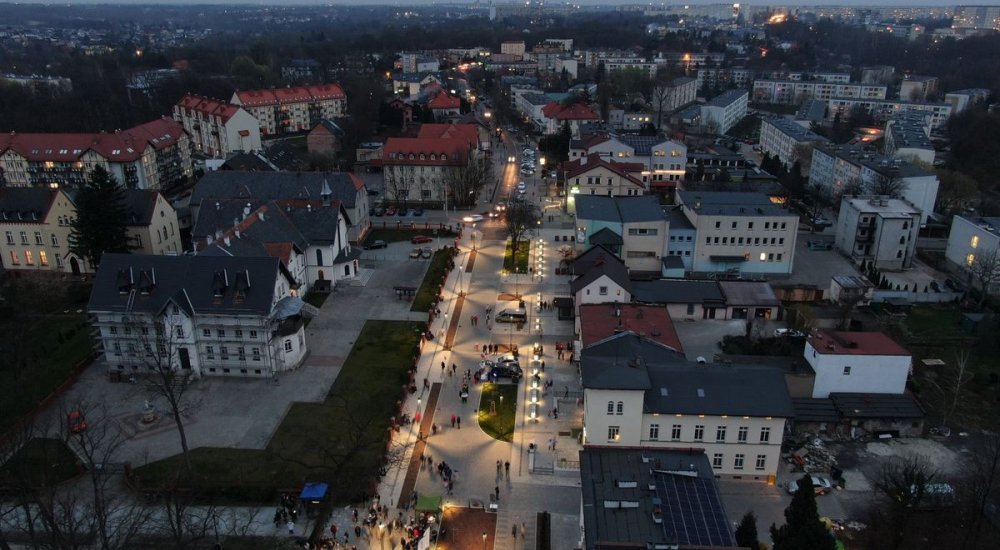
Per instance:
(970,259)
(614,433)
(763,256)
(43,258)
(974,243)
(28,257)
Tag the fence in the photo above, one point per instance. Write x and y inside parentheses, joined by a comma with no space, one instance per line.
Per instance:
(917,297)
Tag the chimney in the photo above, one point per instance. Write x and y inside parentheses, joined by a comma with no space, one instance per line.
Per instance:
(260,216)
(226,240)
(246,211)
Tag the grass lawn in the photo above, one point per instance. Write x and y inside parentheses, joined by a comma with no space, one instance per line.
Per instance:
(58,343)
(521,260)
(316,298)
(397,235)
(436,274)
(500,425)
(341,440)
(41,462)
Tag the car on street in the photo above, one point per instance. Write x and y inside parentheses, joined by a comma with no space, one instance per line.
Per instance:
(819,245)
(507,370)
(821,485)
(473,218)
(500,360)
(418,212)
(376,245)
(415,253)
(421,239)
(426,252)
(378,211)
(511,159)
(821,220)
(788,333)
(521,186)
(402,212)
(527,172)
(76,422)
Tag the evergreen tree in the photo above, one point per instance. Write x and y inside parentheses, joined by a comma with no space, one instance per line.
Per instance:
(699,174)
(101,218)
(746,532)
(802,528)
(723,176)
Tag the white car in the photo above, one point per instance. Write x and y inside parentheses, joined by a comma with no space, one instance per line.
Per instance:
(511,159)
(790,333)
(473,218)
(521,186)
(821,485)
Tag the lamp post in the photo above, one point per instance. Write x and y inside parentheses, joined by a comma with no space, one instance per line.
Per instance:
(381,534)
(484,540)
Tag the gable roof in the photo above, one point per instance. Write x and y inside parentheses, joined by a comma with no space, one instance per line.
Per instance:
(277,185)
(26,204)
(606,237)
(464,132)
(678,291)
(444,100)
(614,270)
(191,282)
(122,146)
(642,208)
(426,151)
(592,256)
(297,94)
(208,107)
(574,111)
(599,321)
(141,204)
(593,161)
(302,222)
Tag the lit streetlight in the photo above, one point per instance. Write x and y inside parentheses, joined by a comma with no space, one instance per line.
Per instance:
(484,540)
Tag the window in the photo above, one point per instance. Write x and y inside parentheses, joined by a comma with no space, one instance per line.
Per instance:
(206,332)
(614,433)
(847,371)
(738,461)
(708,240)
(690,310)
(720,433)
(118,348)
(699,432)
(761,461)
(10,237)
(741,434)
(29,258)
(38,238)
(734,225)
(602,290)
(611,407)
(763,256)
(765,435)
(969,260)
(781,240)
(239,333)
(179,331)
(55,240)
(24,237)
(779,257)
(256,353)
(974,243)
(654,431)
(620,409)
(113,330)
(717,461)
(749,225)
(675,432)
(767,225)
(725,240)
(210,352)
(782,225)
(224,351)
(253,334)
(43,258)
(288,346)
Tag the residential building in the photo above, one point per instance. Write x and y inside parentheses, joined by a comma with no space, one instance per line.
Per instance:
(301,69)
(693,299)
(877,74)
(785,139)
(613,64)
(423,170)
(569,64)
(596,322)
(973,238)
(347,189)
(601,278)
(917,87)
(878,230)
(884,109)
(797,91)
(907,137)
(513,47)
(856,362)
(444,105)
(153,155)
(410,84)
(977,17)
(593,175)
(217,129)
(152,226)
(662,161)
(418,62)
(682,239)
(650,498)
(837,169)
(724,111)
(197,315)
(326,138)
(293,109)
(36,226)
(682,91)
(309,236)
(721,77)
(740,233)
(813,110)
(640,393)
(635,228)
(797,76)
(556,115)
(961,100)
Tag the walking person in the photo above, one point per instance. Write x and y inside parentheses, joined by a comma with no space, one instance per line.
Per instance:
(496,492)
(506,467)
(291,527)
(458,421)
(452,421)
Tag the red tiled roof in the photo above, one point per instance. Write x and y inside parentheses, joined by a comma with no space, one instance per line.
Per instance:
(575,111)
(622,169)
(446,151)
(598,321)
(855,343)
(123,146)
(445,101)
(359,184)
(257,98)
(209,107)
(466,132)
(282,251)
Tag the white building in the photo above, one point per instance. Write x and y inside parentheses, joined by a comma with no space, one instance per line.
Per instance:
(740,233)
(837,169)
(856,362)
(201,315)
(884,109)
(961,100)
(293,109)
(973,238)
(879,230)
(781,138)
(725,110)
(796,92)
(917,87)
(601,278)
(907,137)
(513,47)
(640,393)
(217,129)
(635,228)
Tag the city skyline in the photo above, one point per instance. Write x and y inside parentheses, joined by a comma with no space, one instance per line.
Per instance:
(800,3)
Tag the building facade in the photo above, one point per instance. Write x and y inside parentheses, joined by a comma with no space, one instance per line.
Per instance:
(972,242)
(35,223)
(725,111)
(856,362)
(878,230)
(783,138)
(884,109)
(293,109)
(217,129)
(795,92)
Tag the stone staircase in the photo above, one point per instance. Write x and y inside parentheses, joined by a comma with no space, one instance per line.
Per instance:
(505,522)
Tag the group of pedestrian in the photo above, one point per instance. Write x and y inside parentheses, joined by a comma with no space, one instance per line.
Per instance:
(490,349)
(456,420)
(545,305)
(505,467)
(447,476)
(286,513)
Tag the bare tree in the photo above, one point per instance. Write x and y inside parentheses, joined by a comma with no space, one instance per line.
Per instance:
(399,179)
(803,153)
(520,218)
(662,93)
(889,186)
(464,183)
(985,269)
(903,481)
(980,485)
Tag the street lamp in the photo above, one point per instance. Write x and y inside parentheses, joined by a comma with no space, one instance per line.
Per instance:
(381,534)
(484,540)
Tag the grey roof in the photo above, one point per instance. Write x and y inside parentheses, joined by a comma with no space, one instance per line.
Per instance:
(748,293)
(614,269)
(877,405)
(125,283)
(275,186)
(25,203)
(592,256)
(332,127)
(249,162)
(677,485)
(794,130)
(672,262)
(682,80)
(611,364)
(677,219)
(141,203)
(813,110)
(875,161)
(725,98)
(989,224)
(808,409)
(677,291)
(606,237)
(731,203)
(271,221)
(536,98)
(643,145)
(619,209)
(910,130)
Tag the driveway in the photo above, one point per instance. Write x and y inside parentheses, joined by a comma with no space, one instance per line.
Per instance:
(701,338)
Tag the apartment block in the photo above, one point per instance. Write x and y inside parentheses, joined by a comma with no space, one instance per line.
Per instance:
(907,137)
(725,110)
(782,137)
(293,109)
(795,92)
(973,238)
(878,230)
(217,129)
(883,110)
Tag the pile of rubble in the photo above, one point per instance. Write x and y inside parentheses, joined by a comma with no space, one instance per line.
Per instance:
(813,457)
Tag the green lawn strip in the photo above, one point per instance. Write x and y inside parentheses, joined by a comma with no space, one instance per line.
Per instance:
(499,425)
(390,235)
(59,343)
(437,272)
(523,251)
(41,462)
(341,440)
(316,298)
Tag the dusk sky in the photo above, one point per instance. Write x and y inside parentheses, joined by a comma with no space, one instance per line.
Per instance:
(584,2)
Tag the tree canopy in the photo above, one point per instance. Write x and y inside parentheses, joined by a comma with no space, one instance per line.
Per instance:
(802,528)
(101,222)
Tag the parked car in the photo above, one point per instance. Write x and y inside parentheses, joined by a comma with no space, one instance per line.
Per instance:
(787,332)
(521,186)
(508,370)
(378,211)
(819,245)
(376,245)
(473,218)
(402,212)
(418,212)
(415,253)
(421,239)
(821,485)
(820,220)
(391,211)
(426,252)
(76,422)
(527,171)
